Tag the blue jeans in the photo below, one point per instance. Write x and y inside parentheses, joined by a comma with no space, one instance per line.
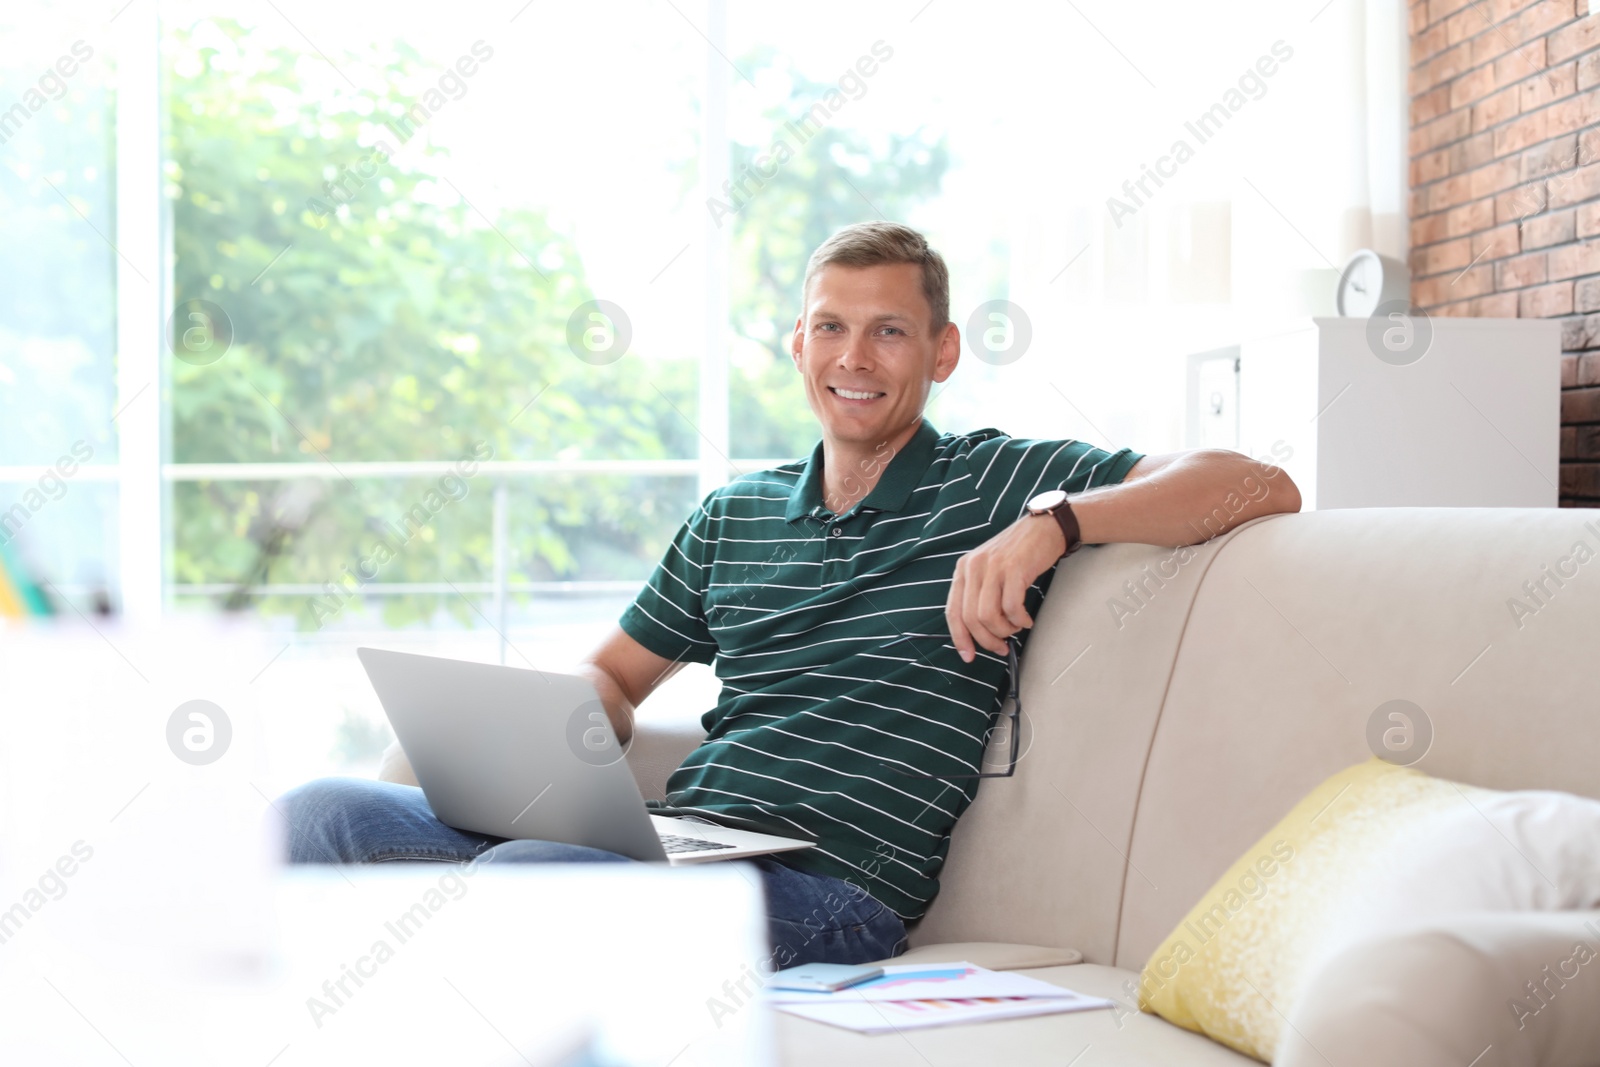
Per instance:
(811,918)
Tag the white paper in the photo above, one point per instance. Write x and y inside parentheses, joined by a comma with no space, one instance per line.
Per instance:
(870,1017)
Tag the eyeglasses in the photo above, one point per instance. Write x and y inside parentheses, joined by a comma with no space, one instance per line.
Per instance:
(1014,675)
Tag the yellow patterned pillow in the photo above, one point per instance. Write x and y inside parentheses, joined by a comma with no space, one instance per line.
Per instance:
(1235,964)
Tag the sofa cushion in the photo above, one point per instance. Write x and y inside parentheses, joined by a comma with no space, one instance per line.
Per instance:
(1373,847)
(1092,689)
(995,955)
(1305,626)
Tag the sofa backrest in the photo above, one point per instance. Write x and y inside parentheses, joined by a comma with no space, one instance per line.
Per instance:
(1179,703)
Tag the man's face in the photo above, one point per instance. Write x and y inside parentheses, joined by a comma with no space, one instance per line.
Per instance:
(869,356)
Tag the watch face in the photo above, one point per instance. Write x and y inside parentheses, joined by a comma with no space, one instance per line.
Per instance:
(1046,500)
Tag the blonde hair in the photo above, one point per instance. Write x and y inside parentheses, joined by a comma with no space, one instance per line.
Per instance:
(868,244)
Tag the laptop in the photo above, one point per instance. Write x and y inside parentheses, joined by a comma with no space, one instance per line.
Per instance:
(528,754)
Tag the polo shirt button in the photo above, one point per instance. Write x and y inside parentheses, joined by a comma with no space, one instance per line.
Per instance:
(837,531)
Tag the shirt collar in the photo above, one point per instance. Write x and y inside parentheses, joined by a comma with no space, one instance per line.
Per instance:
(902,475)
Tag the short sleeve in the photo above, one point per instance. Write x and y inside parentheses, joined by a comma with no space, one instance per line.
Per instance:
(1011,471)
(668,616)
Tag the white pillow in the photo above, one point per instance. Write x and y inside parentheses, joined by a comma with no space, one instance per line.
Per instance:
(1373,849)
(1523,851)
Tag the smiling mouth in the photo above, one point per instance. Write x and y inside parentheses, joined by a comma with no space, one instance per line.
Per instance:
(854,394)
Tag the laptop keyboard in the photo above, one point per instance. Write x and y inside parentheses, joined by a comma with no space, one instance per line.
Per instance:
(676,843)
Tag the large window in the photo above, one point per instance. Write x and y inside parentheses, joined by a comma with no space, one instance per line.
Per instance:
(442,385)
(57,303)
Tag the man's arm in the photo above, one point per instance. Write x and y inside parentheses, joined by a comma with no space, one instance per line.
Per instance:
(624,672)
(1183,498)
(1179,498)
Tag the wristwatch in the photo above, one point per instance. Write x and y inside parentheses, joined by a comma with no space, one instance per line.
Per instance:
(1054,502)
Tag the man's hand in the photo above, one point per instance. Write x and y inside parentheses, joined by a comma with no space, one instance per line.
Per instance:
(991,582)
(623,673)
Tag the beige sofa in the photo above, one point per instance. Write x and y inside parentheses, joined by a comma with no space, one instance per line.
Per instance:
(1163,738)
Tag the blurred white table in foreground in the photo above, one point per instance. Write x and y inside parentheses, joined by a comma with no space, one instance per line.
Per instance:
(145,919)
(401,964)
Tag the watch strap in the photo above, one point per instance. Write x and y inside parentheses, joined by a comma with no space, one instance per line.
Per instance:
(1069,526)
(1068,520)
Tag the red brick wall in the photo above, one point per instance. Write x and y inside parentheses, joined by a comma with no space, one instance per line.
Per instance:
(1505,186)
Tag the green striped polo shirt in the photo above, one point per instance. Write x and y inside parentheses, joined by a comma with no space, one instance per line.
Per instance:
(824,715)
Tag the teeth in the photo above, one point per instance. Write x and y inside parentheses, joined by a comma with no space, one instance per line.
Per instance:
(848,395)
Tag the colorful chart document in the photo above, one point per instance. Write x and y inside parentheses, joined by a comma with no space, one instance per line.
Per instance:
(915,996)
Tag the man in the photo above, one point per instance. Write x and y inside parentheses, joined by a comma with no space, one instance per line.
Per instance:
(858,607)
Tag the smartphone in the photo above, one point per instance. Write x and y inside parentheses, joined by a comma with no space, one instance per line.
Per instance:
(822,977)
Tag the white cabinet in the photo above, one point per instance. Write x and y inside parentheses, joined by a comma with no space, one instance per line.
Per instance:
(1445,412)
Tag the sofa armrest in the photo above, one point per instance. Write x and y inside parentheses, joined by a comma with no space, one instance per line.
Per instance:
(395,767)
(653,754)
(1441,993)
(656,750)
